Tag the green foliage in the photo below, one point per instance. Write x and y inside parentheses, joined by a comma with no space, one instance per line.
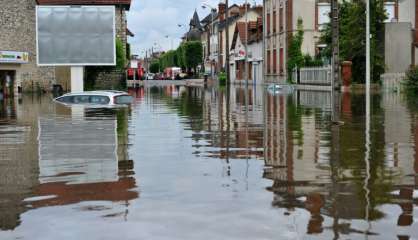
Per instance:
(222,78)
(353,37)
(155,67)
(295,49)
(192,54)
(412,80)
(180,56)
(120,55)
(308,61)
(169,59)
(128,51)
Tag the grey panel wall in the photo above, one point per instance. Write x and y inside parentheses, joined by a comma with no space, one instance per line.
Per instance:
(398,47)
(76,35)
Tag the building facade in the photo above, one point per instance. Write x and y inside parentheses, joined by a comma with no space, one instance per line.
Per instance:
(281,19)
(18,38)
(247,41)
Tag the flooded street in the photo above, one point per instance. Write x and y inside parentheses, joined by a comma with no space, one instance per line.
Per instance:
(194,163)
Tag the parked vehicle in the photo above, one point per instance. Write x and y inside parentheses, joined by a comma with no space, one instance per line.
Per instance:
(172,73)
(96,99)
(150,76)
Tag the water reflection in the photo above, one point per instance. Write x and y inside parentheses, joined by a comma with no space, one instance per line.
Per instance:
(53,155)
(273,164)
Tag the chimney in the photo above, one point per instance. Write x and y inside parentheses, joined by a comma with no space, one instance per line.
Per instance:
(222,11)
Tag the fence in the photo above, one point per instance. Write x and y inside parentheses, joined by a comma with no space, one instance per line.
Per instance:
(393,81)
(313,76)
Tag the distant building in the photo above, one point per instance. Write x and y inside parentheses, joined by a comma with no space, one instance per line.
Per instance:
(18,44)
(281,17)
(252,35)
(214,35)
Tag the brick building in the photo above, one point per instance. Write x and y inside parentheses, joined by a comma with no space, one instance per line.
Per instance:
(281,17)
(18,66)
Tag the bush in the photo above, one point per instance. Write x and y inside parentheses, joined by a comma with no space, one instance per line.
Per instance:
(412,80)
(222,78)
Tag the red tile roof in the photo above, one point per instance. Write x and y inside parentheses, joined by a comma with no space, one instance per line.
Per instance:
(127,3)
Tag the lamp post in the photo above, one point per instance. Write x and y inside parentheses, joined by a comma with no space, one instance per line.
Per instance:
(171,41)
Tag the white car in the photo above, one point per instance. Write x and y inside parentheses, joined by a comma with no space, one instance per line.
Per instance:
(96,98)
(150,76)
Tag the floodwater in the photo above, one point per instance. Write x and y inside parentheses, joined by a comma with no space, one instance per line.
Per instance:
(194,163)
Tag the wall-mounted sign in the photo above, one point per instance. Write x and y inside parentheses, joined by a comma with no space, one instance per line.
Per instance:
(14,57)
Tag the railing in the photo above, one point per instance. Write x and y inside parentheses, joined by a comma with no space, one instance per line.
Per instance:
(393,81)
(313,76)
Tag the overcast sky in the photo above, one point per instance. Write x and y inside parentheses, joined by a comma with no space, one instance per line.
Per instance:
(152,20)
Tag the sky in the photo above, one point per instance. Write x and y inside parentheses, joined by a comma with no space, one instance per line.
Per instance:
(155,22)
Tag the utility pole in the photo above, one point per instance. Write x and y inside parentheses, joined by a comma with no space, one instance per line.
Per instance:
(335,62)
(228,79)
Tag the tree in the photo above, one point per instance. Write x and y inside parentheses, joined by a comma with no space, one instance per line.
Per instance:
(155,67)
(353,37)
(193,54)
(296,58)
(180,56)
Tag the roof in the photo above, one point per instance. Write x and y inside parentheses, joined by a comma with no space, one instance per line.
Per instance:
(125,3)
(195,22)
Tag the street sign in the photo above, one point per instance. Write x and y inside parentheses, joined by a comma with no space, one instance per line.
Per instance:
(75,35)
(14,57)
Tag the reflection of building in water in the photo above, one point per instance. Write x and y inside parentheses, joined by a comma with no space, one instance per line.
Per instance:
(87,161)
(232,130)
(398,129)
(306,173)
(18,157)
(20,165)
(70,151)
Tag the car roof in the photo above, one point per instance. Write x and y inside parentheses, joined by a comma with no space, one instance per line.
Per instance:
(108,93)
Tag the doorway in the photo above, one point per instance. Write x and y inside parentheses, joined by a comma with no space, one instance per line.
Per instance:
(7,79)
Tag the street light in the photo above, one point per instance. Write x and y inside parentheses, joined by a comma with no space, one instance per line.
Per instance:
(171,39)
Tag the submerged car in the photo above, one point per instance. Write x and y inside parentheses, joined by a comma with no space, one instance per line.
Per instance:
(96,98)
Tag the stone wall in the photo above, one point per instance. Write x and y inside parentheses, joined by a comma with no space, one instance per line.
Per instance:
(108,79)
(18,33)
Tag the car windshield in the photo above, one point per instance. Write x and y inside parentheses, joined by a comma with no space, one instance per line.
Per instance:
(123,99)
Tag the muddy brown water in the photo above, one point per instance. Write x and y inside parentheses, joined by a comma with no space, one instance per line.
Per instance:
(194,163)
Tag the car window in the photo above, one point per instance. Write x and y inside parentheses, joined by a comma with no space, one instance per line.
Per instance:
(67,99)
(82,99)
(123,99)
(99,100)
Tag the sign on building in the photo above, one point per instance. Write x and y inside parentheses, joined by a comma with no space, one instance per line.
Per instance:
(76,35)
(14,57)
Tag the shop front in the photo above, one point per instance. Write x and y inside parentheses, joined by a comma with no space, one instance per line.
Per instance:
(10,65)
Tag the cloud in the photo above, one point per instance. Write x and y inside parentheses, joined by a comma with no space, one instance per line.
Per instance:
(152,20)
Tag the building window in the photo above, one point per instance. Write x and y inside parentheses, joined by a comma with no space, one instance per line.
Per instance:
(274,21)
(268,62)
(281,19)
(323,11)
(268,23)
(390,8)
(281,61)
(274,61)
